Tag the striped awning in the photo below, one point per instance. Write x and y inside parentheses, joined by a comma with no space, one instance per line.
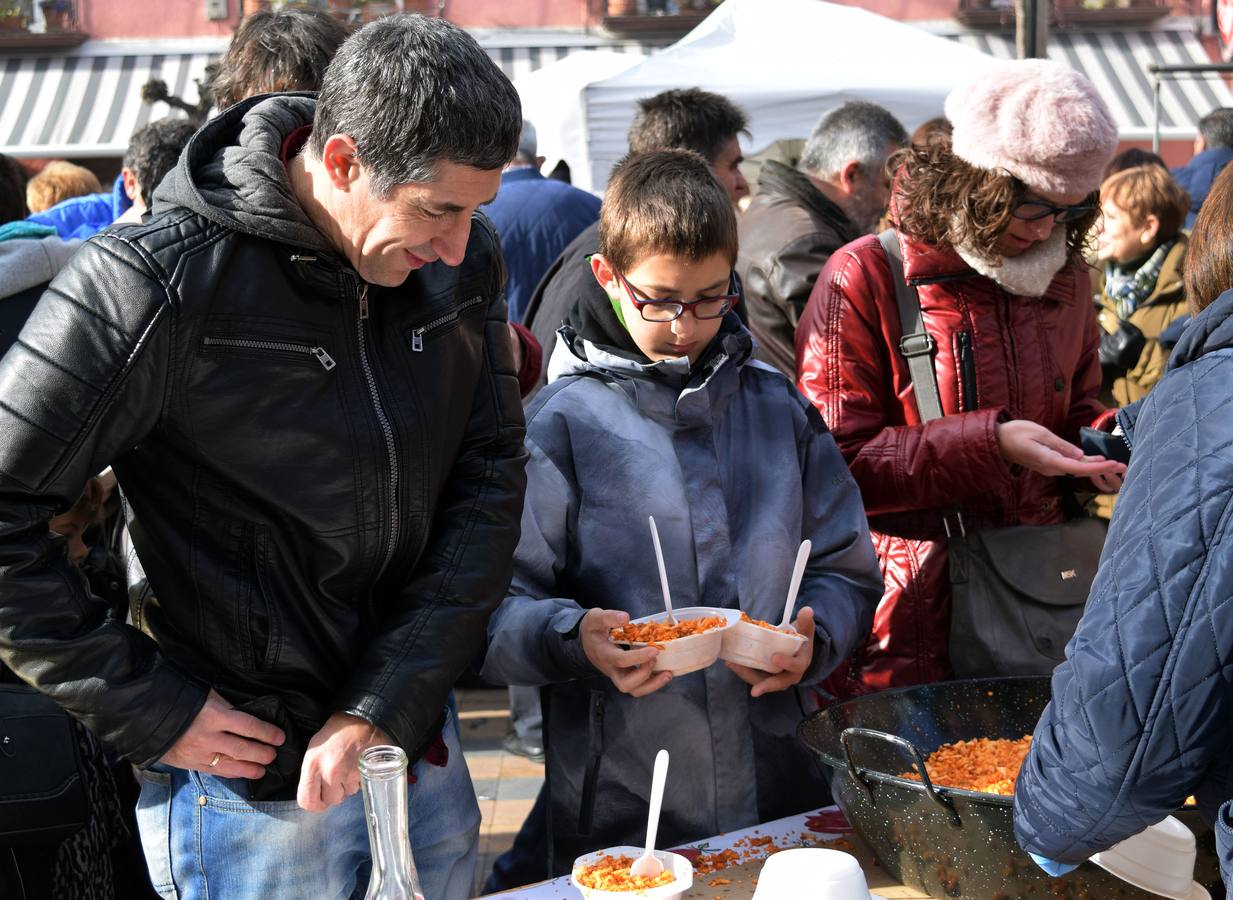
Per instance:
(1117,61)
(88,102)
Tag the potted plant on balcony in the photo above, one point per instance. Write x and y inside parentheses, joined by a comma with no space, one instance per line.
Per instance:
(12,16)
(58,14)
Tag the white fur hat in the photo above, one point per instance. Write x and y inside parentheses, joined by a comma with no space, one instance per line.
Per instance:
(1039,120)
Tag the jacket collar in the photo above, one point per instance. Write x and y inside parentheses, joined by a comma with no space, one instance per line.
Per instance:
(779,182)
(666,390)
(523,173)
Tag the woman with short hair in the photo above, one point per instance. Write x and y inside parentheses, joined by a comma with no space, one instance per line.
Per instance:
(990,232)
(1140,243)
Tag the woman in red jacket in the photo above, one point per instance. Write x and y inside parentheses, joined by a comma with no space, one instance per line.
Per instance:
(990,228)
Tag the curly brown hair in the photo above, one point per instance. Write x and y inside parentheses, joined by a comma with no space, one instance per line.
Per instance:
(946,202)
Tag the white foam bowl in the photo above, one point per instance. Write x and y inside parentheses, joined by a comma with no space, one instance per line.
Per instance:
(680,867)
(811,872)
(683,655)
(1159,859)
(752,645)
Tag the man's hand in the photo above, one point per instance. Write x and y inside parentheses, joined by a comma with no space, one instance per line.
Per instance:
(630,670)
(1035,447)
(239,745)
(331,769)
(793,666)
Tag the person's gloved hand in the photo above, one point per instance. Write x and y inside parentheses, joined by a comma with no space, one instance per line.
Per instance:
(1121,349)
(1053,868)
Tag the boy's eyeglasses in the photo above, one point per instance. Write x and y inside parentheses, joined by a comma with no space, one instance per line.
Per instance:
(1034,210)
(671,310)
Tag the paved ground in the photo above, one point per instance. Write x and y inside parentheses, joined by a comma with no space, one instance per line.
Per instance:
(505,784)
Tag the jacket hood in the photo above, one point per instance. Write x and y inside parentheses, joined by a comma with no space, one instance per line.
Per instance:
(231,172)
(1207,332)
(27,263)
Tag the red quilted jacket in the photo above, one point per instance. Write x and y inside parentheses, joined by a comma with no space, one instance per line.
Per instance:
(999,357)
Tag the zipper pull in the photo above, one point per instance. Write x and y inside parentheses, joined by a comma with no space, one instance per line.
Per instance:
(327,361)
(364,301)
(417,341)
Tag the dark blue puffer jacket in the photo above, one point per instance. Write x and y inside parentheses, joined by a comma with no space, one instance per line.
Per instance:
(1142,708)
(1196,177)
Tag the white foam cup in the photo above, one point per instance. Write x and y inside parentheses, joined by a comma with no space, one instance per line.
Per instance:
(811,872)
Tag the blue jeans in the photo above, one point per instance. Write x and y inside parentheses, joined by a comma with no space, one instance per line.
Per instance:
(204,841)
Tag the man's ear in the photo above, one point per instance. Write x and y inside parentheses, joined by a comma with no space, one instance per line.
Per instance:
(131,187)
(341,160)
(846,178)
(605,275)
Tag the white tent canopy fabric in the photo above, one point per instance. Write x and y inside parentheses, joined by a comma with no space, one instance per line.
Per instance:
(786,62)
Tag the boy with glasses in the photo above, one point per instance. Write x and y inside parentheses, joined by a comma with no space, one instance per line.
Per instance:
(655,407)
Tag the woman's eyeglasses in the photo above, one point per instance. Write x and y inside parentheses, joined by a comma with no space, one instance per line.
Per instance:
(1034,210)
(670,310)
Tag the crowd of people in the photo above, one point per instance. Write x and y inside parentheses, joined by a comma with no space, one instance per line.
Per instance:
(336,397)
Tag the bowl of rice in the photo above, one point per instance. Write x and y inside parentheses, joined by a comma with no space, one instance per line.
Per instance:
(604,875)
(692,643)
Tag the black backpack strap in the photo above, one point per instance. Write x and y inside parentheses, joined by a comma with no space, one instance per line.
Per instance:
(916,344)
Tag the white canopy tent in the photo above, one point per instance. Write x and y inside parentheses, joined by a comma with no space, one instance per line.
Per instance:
(786,62)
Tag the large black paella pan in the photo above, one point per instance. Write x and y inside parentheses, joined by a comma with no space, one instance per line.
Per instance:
(946,842)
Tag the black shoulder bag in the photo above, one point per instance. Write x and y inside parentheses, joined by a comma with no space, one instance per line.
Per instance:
(1018,592)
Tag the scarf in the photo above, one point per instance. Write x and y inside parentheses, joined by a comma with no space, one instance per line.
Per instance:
(1030,273)
(1128,289)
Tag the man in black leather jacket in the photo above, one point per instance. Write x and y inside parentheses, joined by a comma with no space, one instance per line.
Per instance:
(300,372)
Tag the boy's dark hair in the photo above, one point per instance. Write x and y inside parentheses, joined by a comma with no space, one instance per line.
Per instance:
(669,202)
(13,180)
(286,50)
(153,150)
(686,119)
(1216,128)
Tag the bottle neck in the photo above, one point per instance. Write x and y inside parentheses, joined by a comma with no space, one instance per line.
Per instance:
(383,777)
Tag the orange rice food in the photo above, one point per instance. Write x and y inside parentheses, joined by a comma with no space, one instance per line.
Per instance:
(766,625)
(658,632)
(611,873)
(984,765)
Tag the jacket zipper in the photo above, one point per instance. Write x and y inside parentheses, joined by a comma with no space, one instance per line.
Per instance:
(327,361)
(967,370)
(386,428)
(417,336)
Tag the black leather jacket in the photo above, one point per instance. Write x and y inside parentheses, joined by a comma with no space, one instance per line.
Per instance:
(325,477)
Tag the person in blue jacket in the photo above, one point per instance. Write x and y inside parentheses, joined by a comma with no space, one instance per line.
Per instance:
(655,406)
(1141,715)
(536,218)
(1213,150)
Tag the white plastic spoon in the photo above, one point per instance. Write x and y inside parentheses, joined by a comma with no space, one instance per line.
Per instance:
(663,572)
(794,586)
(647,865)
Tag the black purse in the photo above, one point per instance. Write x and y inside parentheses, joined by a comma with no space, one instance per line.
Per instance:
(42,782)
(1017,592)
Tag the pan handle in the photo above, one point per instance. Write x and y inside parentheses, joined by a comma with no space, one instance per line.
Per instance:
(846,739)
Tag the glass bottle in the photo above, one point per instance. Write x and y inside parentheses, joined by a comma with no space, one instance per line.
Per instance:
(383,778)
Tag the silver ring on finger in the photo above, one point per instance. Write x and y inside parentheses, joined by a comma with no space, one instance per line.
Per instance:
(214,761)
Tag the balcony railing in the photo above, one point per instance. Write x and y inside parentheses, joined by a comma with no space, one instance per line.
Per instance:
(655,17)
(352,11)
(40,23)
(1064,13)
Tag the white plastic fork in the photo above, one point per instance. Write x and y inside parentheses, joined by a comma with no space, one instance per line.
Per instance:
(648,865)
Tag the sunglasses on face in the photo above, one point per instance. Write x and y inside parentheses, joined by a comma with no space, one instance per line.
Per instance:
(670,310)
(1034,210)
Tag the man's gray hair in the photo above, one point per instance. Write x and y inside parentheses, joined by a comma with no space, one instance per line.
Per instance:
(413,92)
(855,131)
